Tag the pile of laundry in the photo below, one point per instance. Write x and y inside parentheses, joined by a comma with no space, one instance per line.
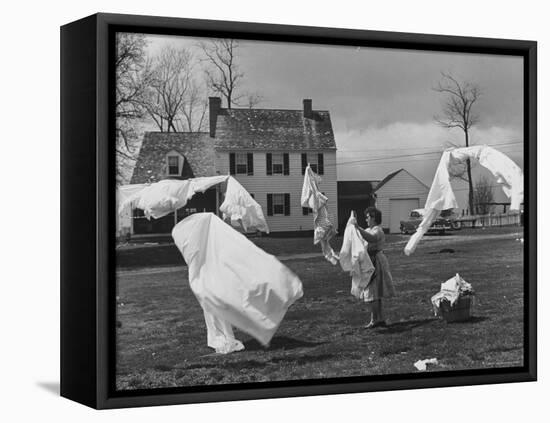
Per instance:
(456,296)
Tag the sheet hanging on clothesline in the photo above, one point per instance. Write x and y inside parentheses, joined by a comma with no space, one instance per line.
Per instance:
(355,259)
(242,209)
(441,195)
(162,198)
(313,198)
(124,192)
(236,283)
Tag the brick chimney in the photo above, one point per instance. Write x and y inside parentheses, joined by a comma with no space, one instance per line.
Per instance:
(214,107)
(308,112)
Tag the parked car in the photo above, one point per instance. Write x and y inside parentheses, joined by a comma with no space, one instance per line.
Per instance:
(453,219)
(440,225)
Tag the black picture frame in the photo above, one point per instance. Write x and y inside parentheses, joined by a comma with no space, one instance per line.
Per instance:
(88,199)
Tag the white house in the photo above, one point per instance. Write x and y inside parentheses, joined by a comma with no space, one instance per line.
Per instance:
(266,150)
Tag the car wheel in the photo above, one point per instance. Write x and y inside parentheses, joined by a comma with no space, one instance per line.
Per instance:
(456,225)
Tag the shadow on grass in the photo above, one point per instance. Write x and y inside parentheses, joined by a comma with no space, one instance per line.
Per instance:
(280,342)
(471,320)
(408,325)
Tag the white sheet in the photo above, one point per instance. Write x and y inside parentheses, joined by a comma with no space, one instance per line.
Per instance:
(162,198)
(323,230)
(355,259)
(441,195)
(242,209)
(233,279)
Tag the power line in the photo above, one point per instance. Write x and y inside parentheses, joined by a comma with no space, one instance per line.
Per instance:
(421,148)
(391,159)
(418,159)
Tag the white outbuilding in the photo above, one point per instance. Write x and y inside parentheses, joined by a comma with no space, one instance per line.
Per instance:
(396,195)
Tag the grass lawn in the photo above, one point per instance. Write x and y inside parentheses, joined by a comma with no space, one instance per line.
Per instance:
(161,338)
(166,254)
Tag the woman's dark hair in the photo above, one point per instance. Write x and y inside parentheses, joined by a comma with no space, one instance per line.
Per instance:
(375,213)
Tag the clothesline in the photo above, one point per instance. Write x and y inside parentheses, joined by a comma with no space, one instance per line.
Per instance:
(164,197)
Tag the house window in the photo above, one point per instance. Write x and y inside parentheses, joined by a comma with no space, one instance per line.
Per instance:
(173,165)
(313,162)
(278,204)
(277,164)
(316,162)
(240,163)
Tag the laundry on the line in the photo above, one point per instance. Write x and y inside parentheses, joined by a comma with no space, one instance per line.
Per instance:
(313,198)
(441,195)
(162,198)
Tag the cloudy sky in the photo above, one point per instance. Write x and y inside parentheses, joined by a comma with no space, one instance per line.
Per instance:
(382,101)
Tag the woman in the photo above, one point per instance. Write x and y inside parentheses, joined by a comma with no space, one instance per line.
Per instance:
(381,282)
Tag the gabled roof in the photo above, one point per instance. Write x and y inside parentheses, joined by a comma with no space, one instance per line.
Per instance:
(196,147)
(271,129)
(387,179)
(393,174)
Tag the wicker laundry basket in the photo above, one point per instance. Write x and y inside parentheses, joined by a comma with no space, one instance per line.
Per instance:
(460,311)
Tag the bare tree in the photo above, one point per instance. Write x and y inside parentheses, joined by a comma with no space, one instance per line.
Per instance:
(483,196)
(223,74)
(252,99)
(194,108)
(457,113)
(132,78)
(174,100)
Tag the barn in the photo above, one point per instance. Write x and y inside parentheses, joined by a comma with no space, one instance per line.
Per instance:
(397,194)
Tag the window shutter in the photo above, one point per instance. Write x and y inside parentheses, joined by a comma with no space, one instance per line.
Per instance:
(320,167)
(305,211)
(270,204)
(285,164)
(232,163)
(287,204)
(304,163)
(268,168)
(250,163)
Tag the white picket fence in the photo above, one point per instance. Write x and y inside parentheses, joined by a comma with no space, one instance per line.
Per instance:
(492,219)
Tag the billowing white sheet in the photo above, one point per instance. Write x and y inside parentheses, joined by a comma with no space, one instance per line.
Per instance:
(234,281)
(441,195)
(242,209)
(162,198)
(355,259)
